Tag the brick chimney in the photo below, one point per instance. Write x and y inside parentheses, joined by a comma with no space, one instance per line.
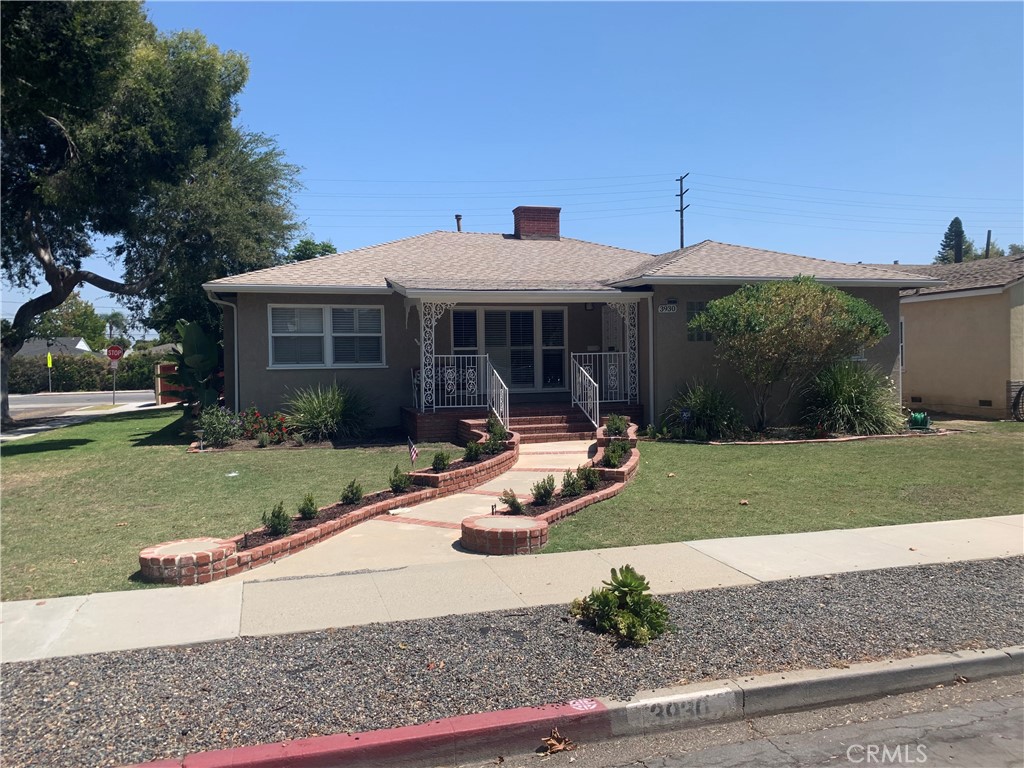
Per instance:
(536,222)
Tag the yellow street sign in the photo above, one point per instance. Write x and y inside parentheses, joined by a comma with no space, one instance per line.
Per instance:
(49,360)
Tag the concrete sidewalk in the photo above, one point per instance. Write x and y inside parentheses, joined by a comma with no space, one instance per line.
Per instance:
(473,583)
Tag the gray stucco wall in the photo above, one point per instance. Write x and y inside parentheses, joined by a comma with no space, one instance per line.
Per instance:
(388,388)
(678,361)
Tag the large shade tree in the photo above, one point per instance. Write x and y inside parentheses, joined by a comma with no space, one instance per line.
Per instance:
(113,131)
(779,335)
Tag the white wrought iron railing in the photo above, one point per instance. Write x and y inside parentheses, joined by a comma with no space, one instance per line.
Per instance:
(461,380)
(497,394)
(585,393)
(609,370)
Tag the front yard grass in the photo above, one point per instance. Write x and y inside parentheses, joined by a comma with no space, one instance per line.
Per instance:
(80,502)
(811,487)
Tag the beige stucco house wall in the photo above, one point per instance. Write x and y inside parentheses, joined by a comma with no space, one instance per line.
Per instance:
(964,352)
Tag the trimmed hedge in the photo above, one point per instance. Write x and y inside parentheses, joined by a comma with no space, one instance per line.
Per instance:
(82,373)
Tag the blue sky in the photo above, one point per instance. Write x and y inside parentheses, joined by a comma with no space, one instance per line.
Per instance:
(852,132)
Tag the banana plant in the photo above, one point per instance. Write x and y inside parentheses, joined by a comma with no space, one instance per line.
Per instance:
(199,365)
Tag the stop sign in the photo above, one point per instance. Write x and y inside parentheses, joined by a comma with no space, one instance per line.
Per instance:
(115,352)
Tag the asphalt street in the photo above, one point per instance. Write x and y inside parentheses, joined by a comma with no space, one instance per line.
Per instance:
(46,404)
(973,725)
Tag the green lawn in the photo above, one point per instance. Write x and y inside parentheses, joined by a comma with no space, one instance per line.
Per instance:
(813,487)
(79,503)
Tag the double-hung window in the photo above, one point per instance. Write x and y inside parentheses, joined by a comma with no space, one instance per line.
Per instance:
(296,336)
(357,335)
(349,337)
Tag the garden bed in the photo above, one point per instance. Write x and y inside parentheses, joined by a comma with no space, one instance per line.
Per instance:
(200,561)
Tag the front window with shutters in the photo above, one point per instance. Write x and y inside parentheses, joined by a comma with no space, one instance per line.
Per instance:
(326,337)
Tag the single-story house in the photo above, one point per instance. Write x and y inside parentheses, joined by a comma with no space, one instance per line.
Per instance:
(59,345)
(441,324)
(964,341)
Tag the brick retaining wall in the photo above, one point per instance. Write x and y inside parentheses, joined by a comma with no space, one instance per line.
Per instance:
(214,559)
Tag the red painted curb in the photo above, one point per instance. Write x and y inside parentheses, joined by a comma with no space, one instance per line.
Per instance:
(440,740)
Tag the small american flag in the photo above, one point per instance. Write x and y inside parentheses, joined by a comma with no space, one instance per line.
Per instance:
(413,452)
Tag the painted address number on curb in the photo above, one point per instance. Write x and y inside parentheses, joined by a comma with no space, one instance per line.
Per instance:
(669,711)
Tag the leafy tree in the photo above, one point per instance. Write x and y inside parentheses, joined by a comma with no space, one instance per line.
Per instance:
(75,317)
(1015,249)
(786,332)
(109,129)
(308,248)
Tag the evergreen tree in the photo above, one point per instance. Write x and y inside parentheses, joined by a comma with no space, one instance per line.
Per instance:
(951,249)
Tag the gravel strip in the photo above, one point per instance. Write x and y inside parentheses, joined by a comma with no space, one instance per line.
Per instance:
(125,707)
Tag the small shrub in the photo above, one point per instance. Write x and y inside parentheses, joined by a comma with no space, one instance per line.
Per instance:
(624,608)
(509,499)
(496,429)
(851,398)
(321,414)
(399,480)
(298,439)
(252,422)
(589,476)
(651,432)
(616,425)
(263,440)
(615,453)
(442,460)
(572,485)
(352,494)
(307,509)
(493,446)
(277,522)
(220,426)
(712,413)
(543,490)
(473,451)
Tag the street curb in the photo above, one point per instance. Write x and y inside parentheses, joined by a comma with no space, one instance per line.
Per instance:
(518,731)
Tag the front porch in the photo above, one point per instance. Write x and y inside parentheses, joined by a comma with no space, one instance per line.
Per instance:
(576,362)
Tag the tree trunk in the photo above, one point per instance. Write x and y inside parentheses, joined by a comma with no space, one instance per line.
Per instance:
(7,352)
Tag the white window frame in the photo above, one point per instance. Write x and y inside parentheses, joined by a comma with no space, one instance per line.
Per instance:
(538,347)
(326,337)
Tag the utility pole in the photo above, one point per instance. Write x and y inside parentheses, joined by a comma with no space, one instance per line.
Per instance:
(681,209)
(988,243)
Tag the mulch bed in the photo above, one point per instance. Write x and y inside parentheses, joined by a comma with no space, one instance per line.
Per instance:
(333,512)
(532,510)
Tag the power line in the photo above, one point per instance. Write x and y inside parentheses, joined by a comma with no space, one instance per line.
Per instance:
(864,192)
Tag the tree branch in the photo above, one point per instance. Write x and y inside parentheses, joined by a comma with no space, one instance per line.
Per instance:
(72,153)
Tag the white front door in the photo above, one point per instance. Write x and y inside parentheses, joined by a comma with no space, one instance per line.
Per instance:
(527,347)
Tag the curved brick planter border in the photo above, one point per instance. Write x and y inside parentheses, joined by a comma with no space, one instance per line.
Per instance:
(521,541)
(214,559)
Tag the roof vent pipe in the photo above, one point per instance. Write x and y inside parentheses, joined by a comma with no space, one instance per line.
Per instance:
(458,222)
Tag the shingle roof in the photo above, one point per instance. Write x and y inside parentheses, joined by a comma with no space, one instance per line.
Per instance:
(455,261)
(710,259)
(62,345)
(471,261)
(970,275)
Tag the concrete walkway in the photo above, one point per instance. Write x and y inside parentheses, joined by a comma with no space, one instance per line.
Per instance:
(472,583)
(429,532)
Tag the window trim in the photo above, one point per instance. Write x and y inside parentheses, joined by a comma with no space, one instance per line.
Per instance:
(538,348)
(326,338)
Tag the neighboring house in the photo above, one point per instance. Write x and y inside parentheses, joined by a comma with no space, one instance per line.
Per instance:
(439,323)
(964,341)
(60,345)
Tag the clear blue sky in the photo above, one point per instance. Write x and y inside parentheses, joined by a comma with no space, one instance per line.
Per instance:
(852,132)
